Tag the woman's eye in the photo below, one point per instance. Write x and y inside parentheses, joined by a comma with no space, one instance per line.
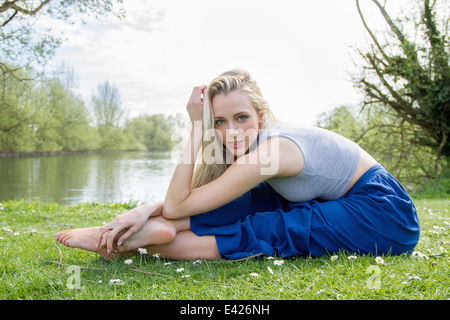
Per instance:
(242,118)
(219,122)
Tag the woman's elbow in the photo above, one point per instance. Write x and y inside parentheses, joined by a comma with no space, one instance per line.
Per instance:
(169,212)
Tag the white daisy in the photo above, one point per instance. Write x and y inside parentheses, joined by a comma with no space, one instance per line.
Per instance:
(278,262)
(142,251)
(379,260)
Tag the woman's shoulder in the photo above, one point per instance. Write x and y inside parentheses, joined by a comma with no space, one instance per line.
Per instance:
(286,127)
(303,132)
(293,130)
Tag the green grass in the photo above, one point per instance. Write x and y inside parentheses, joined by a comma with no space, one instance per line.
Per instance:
(27,248)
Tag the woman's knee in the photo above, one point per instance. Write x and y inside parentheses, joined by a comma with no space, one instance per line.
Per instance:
(187,245)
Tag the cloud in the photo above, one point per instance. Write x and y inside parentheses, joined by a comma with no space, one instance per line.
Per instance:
(298,51)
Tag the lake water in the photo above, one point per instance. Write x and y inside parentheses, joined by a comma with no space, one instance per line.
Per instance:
(101,177)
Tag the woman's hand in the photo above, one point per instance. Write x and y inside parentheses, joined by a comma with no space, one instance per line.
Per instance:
(126,224)
(195,104)
(180,185)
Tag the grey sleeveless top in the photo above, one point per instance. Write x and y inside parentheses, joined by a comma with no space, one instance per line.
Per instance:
(330,162)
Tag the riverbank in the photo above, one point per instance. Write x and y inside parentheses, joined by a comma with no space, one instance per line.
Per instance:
(61,153)
(35,267)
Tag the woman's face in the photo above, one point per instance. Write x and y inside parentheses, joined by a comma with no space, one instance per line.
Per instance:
(236,121)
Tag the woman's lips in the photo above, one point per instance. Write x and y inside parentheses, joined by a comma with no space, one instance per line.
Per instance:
(236,144)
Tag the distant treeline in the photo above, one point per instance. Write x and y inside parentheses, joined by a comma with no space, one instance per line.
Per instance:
(48,115)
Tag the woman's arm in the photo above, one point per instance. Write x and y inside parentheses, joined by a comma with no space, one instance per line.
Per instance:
(277,157)
(180,184)
(127,223)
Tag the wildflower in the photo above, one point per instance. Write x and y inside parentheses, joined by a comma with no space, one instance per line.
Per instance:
(270,258)
(167,263)
(411,279)
(114,280)
(270,270)
(180,269)
(417,254)
(352,257)
(7,229)
(278,262)
(128,261)
(197,262)
(442,249)
(254,274)
(379,260)
(334,258)
(142,251)
(185,276)
(156,255)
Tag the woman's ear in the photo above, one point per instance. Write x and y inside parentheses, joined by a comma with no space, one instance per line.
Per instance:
(261,119)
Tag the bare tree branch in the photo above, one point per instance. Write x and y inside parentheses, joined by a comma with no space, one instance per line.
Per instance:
(29,12)
(388,19)
(416,82)
(370,31)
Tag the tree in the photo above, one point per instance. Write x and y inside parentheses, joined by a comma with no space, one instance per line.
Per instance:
(43,116)
(107,105)
(108,113)
(23,46)
(17,125)
(154,131)
(386,137)
(24,126)
(410,74)
(67,117)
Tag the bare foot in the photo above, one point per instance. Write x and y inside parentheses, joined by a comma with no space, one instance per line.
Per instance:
(157,231)
(84,238)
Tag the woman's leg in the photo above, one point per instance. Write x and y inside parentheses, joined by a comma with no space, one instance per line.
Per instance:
(157,231)
(185,245)
(173,238)
(188,245)
(376,217)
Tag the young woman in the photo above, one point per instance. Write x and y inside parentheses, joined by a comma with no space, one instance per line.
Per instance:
(262,188)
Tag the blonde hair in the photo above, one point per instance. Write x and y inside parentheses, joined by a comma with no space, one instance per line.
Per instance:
(238,79)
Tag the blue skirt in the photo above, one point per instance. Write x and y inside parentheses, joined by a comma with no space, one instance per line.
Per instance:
(377,216)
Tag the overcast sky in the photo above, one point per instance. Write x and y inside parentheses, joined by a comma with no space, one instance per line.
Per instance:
(300,52)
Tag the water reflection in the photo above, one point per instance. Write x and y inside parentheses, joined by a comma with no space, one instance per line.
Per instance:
(106,177)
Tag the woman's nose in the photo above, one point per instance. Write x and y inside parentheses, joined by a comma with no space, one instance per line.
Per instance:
(233,132)
(233,129)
